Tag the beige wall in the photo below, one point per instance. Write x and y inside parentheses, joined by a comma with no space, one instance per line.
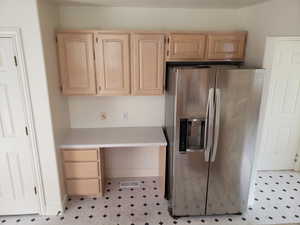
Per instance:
(272,18)
(49,22)
(24,15)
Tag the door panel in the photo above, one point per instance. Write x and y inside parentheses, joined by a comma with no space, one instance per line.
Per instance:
(230,172)
(16,171)
(230,46)
(148,64)
(112,64)
(190,168)
(186,46)
(280,131)
(76,64)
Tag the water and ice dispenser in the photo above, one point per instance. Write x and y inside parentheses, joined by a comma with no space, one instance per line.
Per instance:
(192,135)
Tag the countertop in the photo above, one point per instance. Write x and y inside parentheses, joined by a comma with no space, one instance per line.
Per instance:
(114,137)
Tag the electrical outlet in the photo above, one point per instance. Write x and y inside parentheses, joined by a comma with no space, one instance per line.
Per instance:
(103,116)
(125,115)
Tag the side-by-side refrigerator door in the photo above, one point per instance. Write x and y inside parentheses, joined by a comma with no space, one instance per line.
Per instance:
(238,97)
(193,123)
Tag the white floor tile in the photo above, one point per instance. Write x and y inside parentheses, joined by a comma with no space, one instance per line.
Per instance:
(277,200)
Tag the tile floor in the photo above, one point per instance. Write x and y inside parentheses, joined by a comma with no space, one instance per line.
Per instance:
(277,200)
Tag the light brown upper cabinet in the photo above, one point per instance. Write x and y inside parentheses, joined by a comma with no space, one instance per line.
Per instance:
(76,62)
(112,63)
(226,46)
(186,46)
(108,62)
(147,64)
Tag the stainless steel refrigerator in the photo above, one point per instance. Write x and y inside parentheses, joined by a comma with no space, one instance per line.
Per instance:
(211,123)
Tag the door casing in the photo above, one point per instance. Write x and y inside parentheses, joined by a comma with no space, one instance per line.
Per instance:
(15,34)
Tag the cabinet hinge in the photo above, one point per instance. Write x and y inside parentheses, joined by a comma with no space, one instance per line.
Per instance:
(16,61)
(97,40)
(296,158)
(26,131)
(35,191)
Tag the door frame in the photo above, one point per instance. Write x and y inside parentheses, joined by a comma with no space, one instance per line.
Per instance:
(267,66)
(15,34)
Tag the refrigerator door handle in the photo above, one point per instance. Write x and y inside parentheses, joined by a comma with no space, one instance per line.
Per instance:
(217,124)
(209,124)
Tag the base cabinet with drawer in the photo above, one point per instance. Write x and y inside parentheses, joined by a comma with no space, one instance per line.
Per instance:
(83,172)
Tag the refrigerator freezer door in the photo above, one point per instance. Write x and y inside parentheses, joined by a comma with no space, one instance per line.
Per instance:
(190,170)
(238,93)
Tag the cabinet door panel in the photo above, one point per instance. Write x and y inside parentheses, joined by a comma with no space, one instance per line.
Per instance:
(186,46)
(76,64)
(148,64)
(112,64)
(229,46)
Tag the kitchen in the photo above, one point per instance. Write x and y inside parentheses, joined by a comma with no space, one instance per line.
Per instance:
(120,114)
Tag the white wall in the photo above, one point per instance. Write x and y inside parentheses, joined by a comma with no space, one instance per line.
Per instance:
(272,18)
(49,22)
(147,18)
(142,111)
(132,162)
(275,17)
(23,14)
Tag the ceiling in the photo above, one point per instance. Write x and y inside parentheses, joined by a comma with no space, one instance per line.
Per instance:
(230,4)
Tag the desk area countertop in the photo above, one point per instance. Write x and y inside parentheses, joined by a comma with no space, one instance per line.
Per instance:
(114,137)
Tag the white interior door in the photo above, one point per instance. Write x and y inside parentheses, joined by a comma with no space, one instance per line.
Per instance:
(17,195)
(281,128)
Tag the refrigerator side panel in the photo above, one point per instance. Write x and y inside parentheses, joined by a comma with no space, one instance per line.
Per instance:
(189,166)
(238,92)
(169,130)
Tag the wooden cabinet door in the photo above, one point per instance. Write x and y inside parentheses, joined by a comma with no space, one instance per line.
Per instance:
(183,47)
(112,64)
(229,46)
(148,64)
(76,62)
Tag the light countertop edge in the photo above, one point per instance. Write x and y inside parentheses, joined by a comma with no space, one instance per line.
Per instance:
(113,137)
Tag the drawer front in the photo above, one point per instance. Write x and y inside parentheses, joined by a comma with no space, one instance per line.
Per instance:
(80,155)
(83,187)
(81,169)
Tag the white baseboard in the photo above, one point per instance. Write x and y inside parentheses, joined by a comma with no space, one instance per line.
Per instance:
(55,208)
(64,202)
